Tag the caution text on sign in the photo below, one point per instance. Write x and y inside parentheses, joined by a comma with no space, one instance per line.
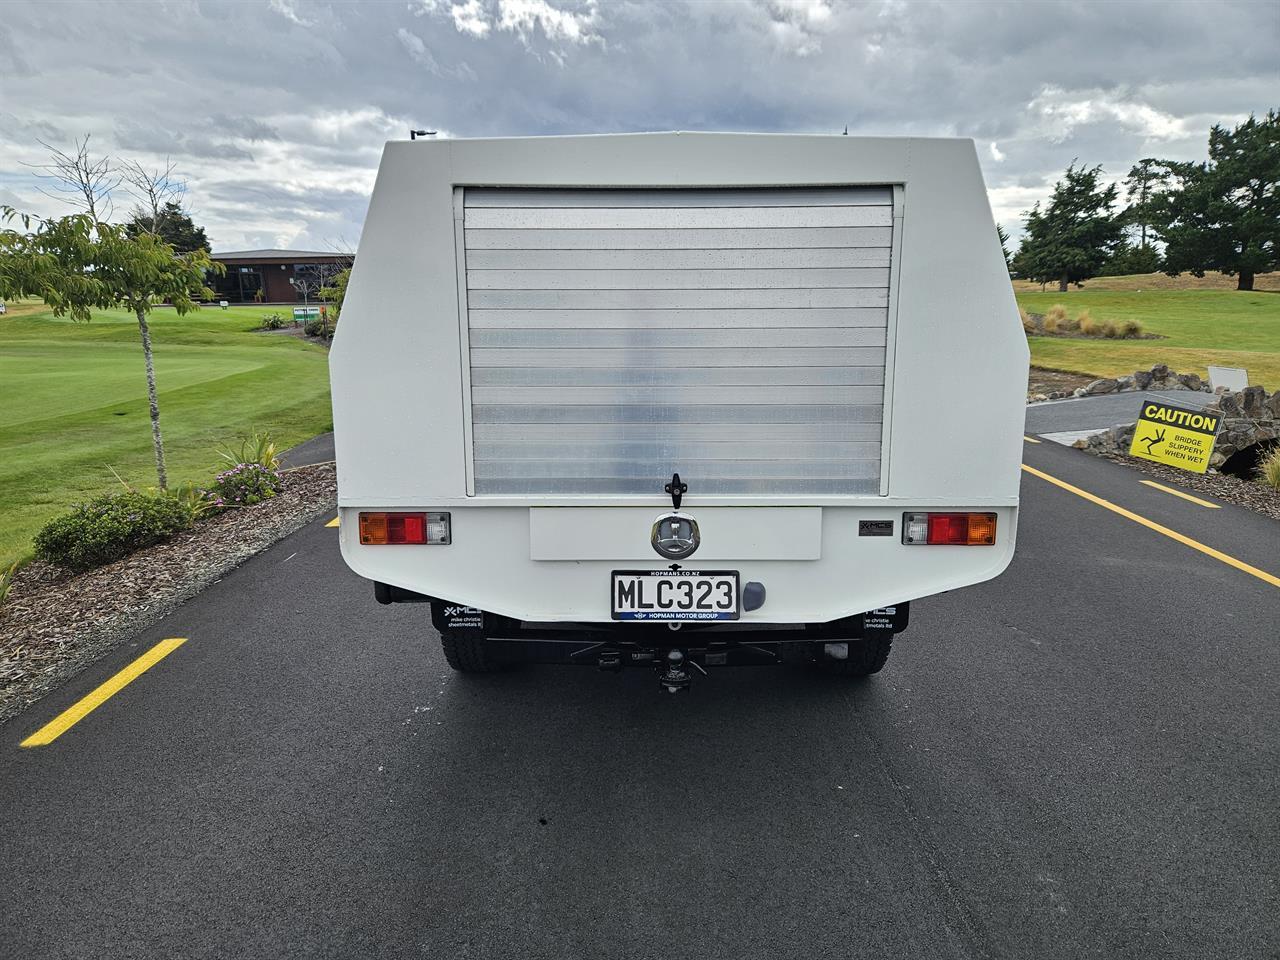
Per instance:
(1176,436)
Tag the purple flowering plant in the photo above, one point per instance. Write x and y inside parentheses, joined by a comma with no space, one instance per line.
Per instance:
(243,485)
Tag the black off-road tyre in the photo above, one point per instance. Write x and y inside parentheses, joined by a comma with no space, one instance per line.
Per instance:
(469,654)
(866,656)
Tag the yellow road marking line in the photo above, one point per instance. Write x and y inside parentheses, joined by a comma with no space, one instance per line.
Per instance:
(1179,493)
(68,718)
(332,523)
(1152,525)
(1031,439)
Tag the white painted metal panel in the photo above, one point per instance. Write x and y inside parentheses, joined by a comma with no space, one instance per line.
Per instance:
(739,327)
(730,534)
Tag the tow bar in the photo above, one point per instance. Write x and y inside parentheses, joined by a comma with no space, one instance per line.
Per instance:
(674,674)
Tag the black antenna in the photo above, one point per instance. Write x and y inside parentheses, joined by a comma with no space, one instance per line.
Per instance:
(415,134)
(846,131)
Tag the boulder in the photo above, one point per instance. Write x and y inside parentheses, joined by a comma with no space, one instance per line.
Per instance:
(1099,387)
(1141,379)
(1273,406)
(1228,404)
(1124,384)
(1253,402)
(1160,371)
(1189,380)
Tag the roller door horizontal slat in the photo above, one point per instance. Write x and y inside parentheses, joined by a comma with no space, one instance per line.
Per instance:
(783,279)
(723,357)
(766,258)
(672,376)
(649,471)
(613,432)
(674,450)
(753,337)
(643,486)
(678,319)
(664,414)
(674,218)
(683,239)
(675,299)
(689,396)
(718,197)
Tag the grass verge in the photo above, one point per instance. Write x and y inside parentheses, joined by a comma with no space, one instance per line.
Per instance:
(1199,327)
(76,406)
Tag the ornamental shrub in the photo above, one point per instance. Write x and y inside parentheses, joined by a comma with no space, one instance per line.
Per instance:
(318,327)
(273,321)
(244,485)
(109,528)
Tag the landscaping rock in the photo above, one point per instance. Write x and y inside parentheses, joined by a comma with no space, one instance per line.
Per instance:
(1141,379)
(1100,387)
(1253,401)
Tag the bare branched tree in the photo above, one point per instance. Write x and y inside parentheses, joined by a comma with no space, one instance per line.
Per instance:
(153,189)
(80,179)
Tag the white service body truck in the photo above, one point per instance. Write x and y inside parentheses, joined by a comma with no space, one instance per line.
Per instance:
(677,399)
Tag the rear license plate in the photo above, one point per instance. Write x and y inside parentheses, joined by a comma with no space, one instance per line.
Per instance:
(674,595)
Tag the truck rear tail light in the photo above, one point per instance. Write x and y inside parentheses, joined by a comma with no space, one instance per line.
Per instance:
(949,529)
(389,528)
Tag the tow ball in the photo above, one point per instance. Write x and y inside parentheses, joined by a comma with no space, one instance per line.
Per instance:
(673,671)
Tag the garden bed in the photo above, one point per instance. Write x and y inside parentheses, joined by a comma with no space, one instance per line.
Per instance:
(55,623)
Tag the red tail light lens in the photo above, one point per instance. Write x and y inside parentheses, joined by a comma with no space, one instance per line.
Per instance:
(407,528)
(949,529)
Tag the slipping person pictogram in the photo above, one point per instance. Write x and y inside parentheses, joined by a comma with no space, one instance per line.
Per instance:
(1152,441)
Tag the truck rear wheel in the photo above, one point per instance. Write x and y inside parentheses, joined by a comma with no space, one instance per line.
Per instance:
(469,654)
(866,656)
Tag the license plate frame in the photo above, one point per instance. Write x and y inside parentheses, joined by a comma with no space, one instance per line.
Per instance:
(655,614)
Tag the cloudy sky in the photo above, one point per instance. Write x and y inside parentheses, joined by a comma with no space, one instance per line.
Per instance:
(276,110)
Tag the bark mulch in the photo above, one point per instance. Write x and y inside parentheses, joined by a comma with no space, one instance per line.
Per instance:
(1250,494)
(54,623)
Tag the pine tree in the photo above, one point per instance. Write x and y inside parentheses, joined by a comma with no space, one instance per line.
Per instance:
(1224,214)
(1074,235)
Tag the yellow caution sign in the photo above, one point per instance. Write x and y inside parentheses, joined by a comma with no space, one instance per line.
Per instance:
(1168,434)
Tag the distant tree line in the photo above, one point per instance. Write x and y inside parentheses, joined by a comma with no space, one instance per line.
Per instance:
(1222,214)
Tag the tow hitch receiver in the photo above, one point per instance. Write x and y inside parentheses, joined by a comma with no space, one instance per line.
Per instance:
(673,671)
(674,674)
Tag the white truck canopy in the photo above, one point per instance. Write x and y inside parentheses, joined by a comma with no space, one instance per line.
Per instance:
(538,332)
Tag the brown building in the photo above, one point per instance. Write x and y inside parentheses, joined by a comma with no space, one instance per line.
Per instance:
(264,276)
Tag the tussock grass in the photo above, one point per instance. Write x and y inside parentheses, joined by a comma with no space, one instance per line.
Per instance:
(1269,470)
(1056,320)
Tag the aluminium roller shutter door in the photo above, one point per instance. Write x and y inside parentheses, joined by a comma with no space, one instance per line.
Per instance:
(735,336)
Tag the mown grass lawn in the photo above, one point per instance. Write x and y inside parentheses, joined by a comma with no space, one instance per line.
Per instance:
(1199,327)
(74,403)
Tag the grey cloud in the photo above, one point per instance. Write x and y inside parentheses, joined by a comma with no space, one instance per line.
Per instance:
(280,112)
(135,136)
(243,128)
